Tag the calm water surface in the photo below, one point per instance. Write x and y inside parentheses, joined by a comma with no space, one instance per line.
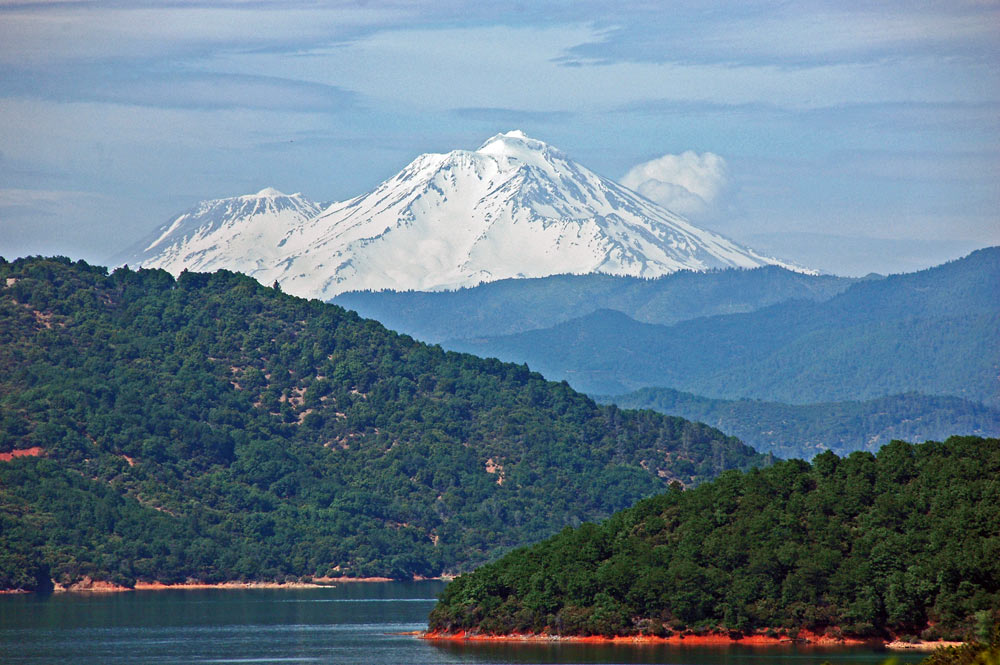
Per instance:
(350,623)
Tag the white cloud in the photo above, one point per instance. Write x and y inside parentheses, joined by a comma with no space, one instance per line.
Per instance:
(792,34)
(689,184)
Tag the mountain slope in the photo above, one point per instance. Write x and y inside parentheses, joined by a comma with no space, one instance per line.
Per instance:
(517,305)
(212,428)
(210,236)
(805,430)
(516,207)
(933,332)
(903,542)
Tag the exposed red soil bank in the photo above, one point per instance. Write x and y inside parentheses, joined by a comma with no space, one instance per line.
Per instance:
(35,451)
(315,582)
(99,586)
(88,585)
(160,586)
(921,645)
(711,639)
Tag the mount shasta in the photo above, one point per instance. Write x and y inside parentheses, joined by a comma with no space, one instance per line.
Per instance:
(516,207)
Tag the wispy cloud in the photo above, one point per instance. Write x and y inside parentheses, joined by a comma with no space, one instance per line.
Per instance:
(154,84)
(31,199)
(794,34)
(52,33)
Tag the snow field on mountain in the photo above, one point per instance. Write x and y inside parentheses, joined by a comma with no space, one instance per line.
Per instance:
(516,207)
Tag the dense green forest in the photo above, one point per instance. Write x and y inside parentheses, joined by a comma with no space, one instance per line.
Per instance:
(933,332)
(211,428)
(804,430)
(905,542)
(516,305)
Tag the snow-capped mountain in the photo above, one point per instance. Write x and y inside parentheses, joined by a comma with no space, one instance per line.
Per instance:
(243,233)
(516,207)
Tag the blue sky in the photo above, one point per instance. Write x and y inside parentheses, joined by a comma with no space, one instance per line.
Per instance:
(845,136)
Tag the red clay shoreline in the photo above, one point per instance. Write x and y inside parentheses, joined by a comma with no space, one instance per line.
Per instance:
(804,638)
(88,585)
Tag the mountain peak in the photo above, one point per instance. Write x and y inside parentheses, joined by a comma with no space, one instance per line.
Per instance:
(516,207)
(515,144)
(513,135)
(215,233)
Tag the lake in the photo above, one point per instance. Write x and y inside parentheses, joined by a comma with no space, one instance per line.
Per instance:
(349,623)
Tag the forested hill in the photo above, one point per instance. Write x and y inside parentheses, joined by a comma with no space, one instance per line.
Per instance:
(211,428)
(903,542)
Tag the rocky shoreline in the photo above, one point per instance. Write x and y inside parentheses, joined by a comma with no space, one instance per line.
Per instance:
(88,585)
(803,638)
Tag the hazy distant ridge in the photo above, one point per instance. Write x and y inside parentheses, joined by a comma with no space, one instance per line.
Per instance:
(517,305)
(934,332)
(804,430)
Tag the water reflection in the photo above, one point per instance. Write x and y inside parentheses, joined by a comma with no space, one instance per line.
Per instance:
(346,624)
